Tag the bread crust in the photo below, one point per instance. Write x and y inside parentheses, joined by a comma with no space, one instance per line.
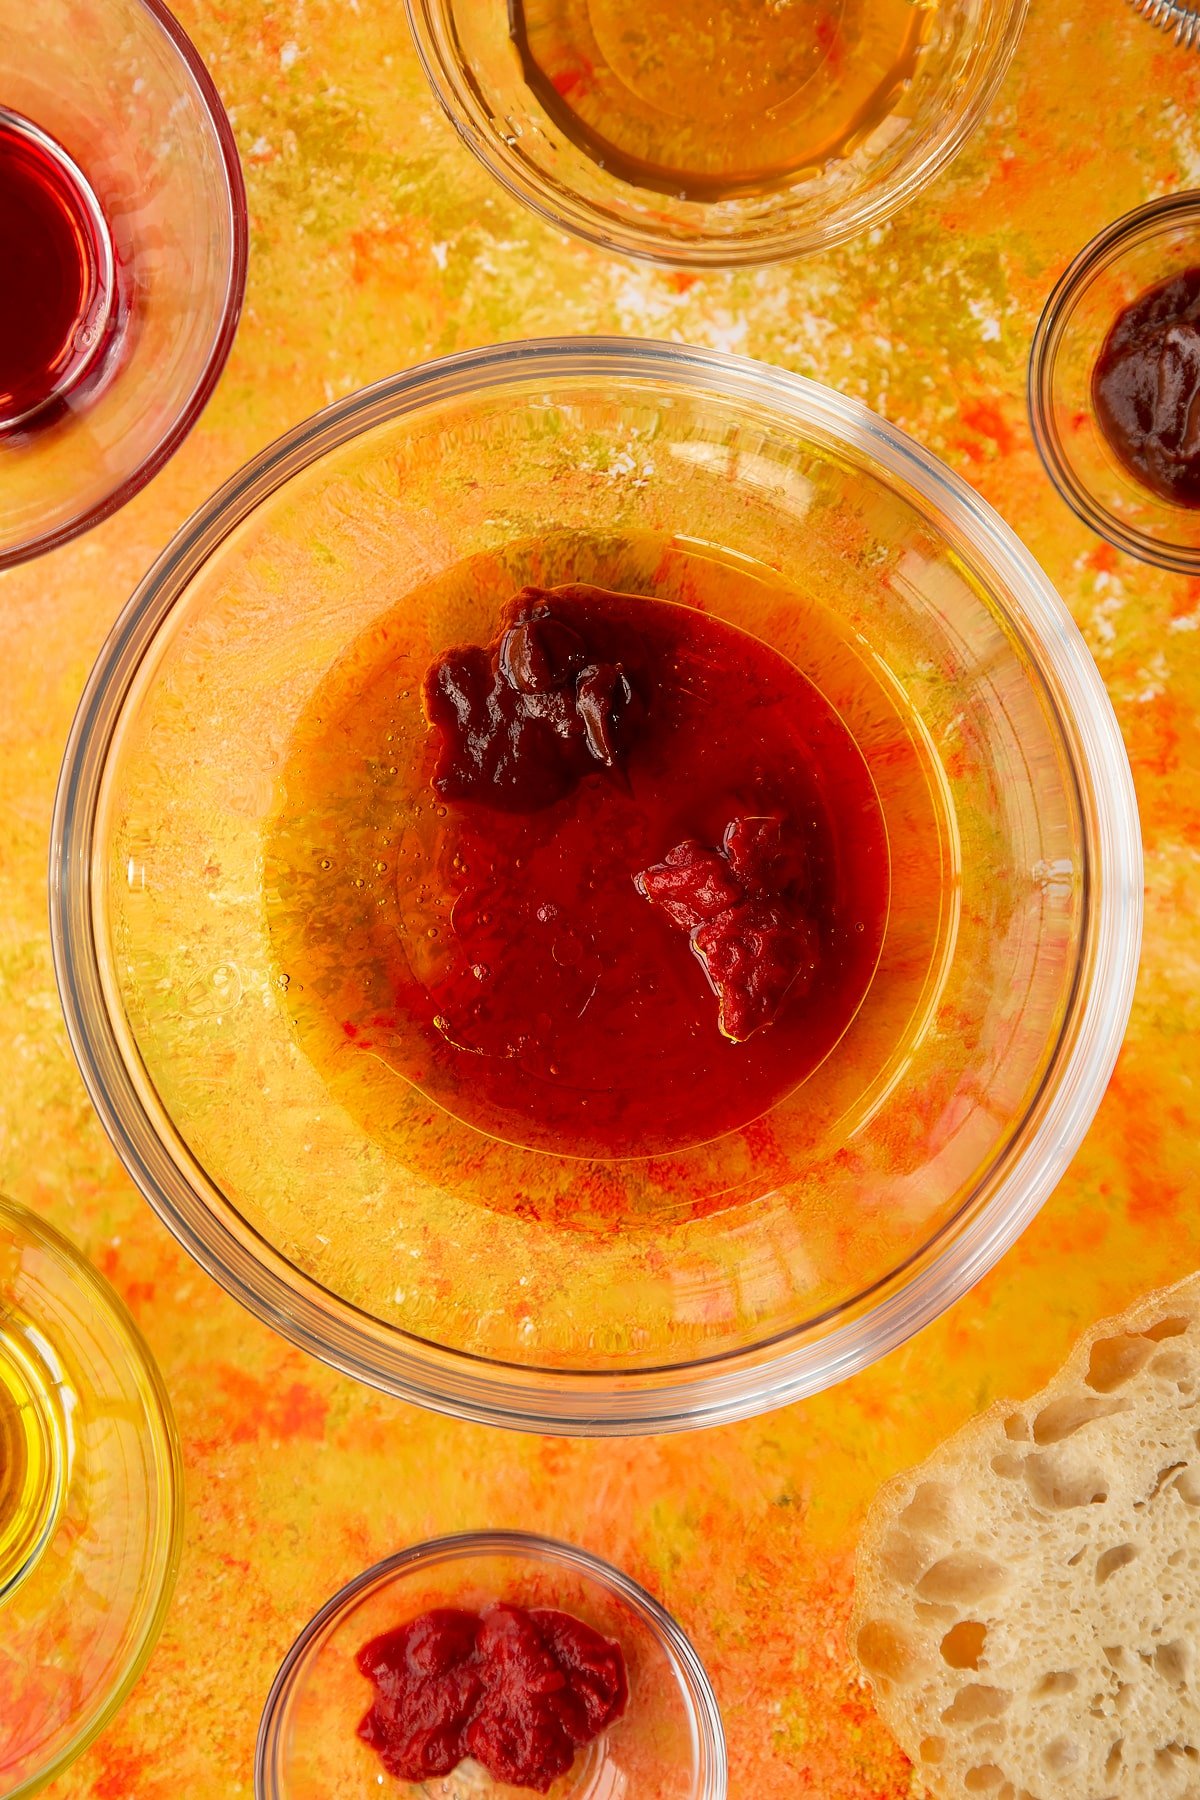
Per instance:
(1027,1600)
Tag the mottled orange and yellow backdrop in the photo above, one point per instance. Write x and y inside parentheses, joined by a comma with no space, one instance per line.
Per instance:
(376,242)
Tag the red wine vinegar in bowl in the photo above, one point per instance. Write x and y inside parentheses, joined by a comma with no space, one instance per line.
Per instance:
(122,257)
(57,275)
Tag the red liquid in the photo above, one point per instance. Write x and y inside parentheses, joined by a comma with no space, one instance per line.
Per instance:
(56,281)
(517,1690)
(507,963)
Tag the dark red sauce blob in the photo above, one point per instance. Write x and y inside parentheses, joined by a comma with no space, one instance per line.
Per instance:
(522,722)
(518,1690)
(56,276)
(561,1009)
(1146,388)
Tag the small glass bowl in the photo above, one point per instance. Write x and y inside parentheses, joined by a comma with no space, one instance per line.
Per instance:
(533,1287)
(123,96)
(474,69)
(668,1745)
(1136,252)
(90,1508)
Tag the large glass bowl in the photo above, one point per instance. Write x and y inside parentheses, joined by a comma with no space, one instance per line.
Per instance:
(117,90)
(515,1285)
(474,69)
(669,1744)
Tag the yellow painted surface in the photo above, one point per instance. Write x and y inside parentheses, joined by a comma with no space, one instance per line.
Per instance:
(377,242)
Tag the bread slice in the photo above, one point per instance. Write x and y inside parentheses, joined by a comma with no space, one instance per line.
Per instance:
(1027,1604)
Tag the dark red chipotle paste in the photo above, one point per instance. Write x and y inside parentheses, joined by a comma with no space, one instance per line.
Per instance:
(1146,388)
(525,720)
(665,874)
(518,1690)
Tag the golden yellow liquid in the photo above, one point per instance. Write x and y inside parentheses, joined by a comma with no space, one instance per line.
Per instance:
(707,99)
(31,1458)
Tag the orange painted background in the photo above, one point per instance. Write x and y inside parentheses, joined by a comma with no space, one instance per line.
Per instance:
(377,242)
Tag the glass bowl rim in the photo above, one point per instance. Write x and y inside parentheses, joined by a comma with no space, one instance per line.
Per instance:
(750,1379)
(703,1709)
(105,1296)
(1097,255)
(566,211)
(222,342)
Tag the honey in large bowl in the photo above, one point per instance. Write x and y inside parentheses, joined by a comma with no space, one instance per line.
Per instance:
(461,1094)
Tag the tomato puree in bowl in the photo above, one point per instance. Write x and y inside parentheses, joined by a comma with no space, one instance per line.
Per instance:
(516,1689)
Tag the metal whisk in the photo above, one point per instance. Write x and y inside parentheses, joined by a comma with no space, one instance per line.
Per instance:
(1172,15)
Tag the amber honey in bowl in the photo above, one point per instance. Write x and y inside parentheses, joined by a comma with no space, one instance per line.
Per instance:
(706,101)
